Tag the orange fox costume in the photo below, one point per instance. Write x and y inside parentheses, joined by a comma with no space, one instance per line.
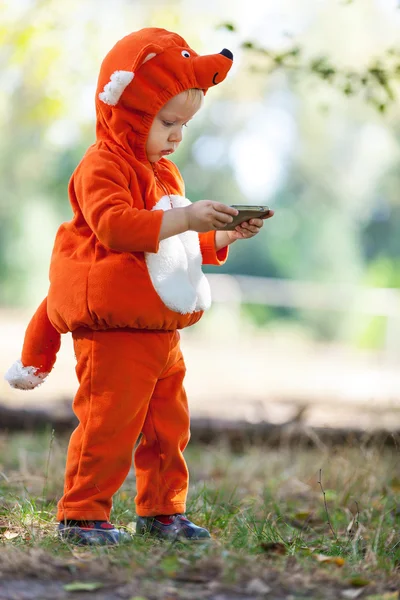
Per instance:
(122,292)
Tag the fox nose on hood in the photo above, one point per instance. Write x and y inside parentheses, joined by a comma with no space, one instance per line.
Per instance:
(212,68)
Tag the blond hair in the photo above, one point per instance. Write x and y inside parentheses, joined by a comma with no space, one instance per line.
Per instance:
(195,93)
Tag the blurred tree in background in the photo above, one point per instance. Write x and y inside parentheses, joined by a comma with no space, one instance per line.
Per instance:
(306,122)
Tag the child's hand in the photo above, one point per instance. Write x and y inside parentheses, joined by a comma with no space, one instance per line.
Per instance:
(248,229)
(206,215)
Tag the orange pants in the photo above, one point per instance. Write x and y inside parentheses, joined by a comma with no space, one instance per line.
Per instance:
(131,382)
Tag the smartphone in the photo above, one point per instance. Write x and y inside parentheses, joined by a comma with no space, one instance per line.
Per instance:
(246,212)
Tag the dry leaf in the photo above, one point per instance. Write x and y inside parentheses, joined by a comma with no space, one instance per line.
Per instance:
(351,594)
(82,554)
(258,587)
(273,547)
(74,563)
(332,560)
(10,535)
(350,527)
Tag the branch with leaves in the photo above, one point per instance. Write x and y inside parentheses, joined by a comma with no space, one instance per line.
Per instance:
(376,82)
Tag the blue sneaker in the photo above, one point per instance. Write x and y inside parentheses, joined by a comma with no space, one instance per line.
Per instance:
(91,533)
(172,528)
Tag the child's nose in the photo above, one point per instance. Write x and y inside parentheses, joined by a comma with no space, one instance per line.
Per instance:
(176,135)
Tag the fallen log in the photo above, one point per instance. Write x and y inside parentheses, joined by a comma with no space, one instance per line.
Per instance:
(33,419)
(237,434)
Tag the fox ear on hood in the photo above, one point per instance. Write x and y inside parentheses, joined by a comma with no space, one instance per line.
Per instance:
(147,53)
(119,80)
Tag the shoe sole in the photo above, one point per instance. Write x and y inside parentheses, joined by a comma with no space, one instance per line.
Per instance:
(183,540)
(76,540)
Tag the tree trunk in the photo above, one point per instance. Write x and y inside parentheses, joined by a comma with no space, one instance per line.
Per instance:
(237,434)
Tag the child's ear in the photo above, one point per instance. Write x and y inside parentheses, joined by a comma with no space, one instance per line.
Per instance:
(147,53)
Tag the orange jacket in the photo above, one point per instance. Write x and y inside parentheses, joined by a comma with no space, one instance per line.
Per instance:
(108,267)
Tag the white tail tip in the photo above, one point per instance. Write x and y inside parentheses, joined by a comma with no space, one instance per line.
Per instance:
(24,378)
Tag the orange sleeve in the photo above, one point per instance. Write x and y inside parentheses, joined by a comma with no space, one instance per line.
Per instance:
(41,343)
(208,251)
(103,195)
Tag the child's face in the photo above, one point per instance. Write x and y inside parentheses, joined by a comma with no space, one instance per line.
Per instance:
(165,134)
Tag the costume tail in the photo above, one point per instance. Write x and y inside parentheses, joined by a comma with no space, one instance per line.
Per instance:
(39,352)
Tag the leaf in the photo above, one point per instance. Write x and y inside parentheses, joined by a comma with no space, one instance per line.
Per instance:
(351,594)
(83,586)
(73,564)
(303,515)
(359,581)
(273,547)
(138,598)
(332,560)
(349,528)
(395,485)
(10,535)
(306,550)
(169,565)
(257,587)
(228,26)
(81,554)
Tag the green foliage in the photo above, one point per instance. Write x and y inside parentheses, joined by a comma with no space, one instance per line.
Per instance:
(375,82)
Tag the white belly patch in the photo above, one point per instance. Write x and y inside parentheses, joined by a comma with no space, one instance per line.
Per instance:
(175,270)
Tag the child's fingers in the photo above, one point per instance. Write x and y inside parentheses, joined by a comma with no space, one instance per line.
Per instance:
(222,217)
(254,225)
(269,215)
(244,231)
(224,208)
(257,222)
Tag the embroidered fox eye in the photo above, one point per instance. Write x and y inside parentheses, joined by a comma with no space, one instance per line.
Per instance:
(185,54)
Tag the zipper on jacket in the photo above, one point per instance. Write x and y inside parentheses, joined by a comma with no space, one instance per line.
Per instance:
(161,184)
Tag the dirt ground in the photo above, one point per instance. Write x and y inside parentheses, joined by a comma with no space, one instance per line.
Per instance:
(289,581)
(33,589)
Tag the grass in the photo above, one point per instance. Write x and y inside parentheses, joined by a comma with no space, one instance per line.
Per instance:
(294,522)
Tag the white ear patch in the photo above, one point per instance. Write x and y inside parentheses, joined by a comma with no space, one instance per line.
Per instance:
(149,56)
(114,88)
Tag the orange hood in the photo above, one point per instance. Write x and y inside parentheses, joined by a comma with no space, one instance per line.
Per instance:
(140,74)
